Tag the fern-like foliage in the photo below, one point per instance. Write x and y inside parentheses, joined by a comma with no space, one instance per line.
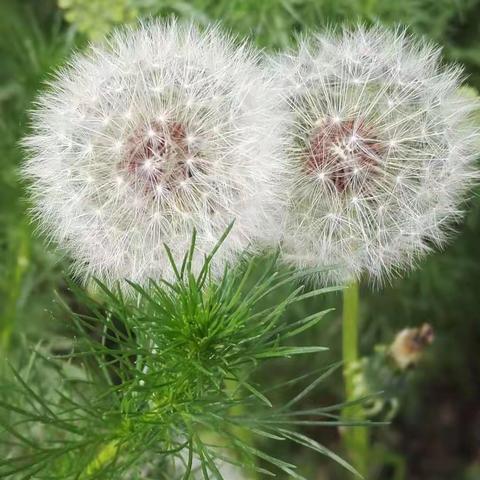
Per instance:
(164,386)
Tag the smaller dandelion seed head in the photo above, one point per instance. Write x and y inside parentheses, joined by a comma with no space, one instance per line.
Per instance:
(371,142)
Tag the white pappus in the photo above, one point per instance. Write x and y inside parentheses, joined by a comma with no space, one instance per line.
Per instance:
(160,130)
(381,151)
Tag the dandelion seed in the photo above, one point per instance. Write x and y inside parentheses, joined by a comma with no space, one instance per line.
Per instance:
(150,151)
(365,153)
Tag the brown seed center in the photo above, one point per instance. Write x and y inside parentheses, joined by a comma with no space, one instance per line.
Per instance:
(158,158)
(343,152)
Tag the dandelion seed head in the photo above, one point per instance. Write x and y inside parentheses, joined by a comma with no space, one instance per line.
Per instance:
(163,129)
(381,152)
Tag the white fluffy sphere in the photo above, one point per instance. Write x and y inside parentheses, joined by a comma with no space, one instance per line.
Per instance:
(381,150)
(161,130)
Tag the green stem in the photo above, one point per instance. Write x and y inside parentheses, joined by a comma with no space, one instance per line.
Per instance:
(105,456)
(10,311)
(350,335)
(109,451)
(355,438)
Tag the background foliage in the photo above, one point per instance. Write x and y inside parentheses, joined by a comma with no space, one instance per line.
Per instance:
(436,432)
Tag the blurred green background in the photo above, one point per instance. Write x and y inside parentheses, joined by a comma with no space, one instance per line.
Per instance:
(435,432)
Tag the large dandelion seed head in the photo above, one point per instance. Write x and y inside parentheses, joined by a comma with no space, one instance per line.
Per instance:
(162,130)
(381,151)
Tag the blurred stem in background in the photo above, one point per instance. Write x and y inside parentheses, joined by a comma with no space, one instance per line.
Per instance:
(20,265)
(355,438)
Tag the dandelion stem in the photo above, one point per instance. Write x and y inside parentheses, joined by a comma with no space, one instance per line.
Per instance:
(350,334)
(355,438)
